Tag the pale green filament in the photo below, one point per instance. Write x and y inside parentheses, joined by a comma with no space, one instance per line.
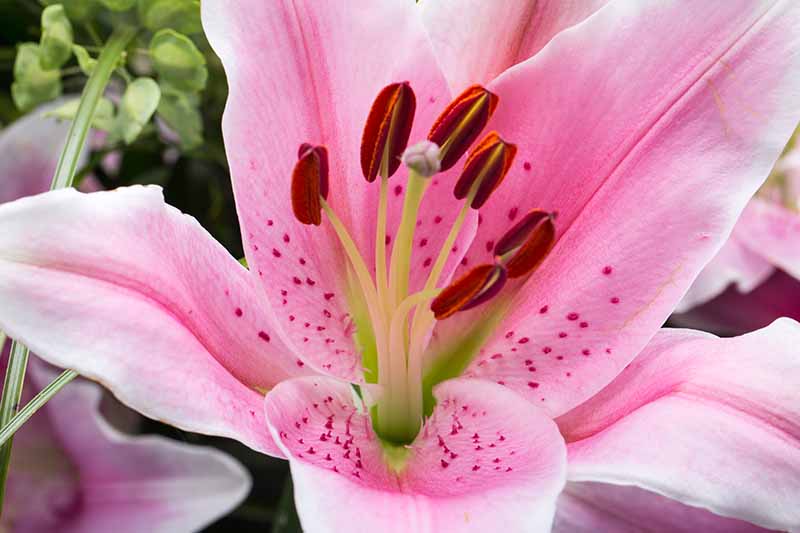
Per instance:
(380,243)
(401,250)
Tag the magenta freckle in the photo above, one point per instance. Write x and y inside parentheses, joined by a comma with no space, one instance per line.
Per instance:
(532,369)
(533,385)
(255,247)
(437,219)
(615,300)
(398,190)
(326,313)
(311,282)
(547,349)
(569,374)
(270,222)
(572,316)
(543,309)
(464,262)
(475,468)
(305,339)
(284,292)
(297,281)
(302,261)
(300,364)
(526,165)
(560,357)
(263,336)
(387,240)
(608,350)
(501,382)
(444,463)
(562,334)
(427,262)
(512,214)
(586,351)
(528,362)
(489,246)
(584,324)
(238,311)
(320,328)
(509,334)
(291,318)
(524,340)
(423,243)
(286,237)
(607,270)
(454,249)
(496,356)
(276,252)
(328,295)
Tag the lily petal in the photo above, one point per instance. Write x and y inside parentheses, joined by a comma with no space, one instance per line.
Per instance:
(128,291)
(592,507)
(735,313)
(31,146)
(476,41)
(713,423)
(485,461)
(308,72)
(126,483)
(648,163)
(774,232)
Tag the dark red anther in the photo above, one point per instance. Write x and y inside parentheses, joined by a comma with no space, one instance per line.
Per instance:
(461,122)
(475,287)
(529,240)
(488,162)
(310,183)
(387,129)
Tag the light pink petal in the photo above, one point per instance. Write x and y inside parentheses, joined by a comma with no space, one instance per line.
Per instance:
(735,265)
(133,484)
(735,313)
(594,507)
(128,291)
(30,148)
(475,41)
(714,423)
(774,232)
(485,461)
(309,71)
(647,128)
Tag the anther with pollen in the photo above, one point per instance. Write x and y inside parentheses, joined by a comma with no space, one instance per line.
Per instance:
(487,165)
(461,122)
(527,243)
(310,183)
(387,130)
(475,287)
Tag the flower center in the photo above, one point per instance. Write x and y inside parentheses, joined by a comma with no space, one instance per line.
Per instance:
(396,320)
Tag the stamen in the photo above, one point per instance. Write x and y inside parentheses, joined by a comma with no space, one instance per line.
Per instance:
(387,130)
(487,164)
(461,122)
(310,183)
(474,288)
(527,243)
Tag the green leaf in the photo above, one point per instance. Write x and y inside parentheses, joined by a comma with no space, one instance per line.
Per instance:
(55,47)
(178,61)
(85,61)
(118,5)
(33,85)
(182,115)
(103,116)
(181,15)
(138,104)
(77,10)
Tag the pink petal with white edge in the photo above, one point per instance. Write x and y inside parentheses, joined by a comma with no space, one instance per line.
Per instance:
(647,127)
(485,461)
(594,507)
(131,484)
(475,41)
(30,148)
(308,71)
(128,291)
(774,232)
(735,265)
(713,423)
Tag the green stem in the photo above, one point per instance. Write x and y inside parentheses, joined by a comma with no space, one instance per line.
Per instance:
(65,171)
(35,404)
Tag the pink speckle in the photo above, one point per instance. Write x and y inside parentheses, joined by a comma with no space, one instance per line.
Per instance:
(586,351)
(297,281)
(509,334)
(533,385)
(276,252)
(286,237)
(398,190)
(263,336)
(423,243)
(328,295)
(607,270)
(562,334)
(387,240)
(427,262)
(615,300)
(524,340)
(444,463)
(572,316)
(302,261)
(437,219)
(584,324)
(496,356)
(526,165)
(543,309)
(270,222)
(547,349)
(238,311)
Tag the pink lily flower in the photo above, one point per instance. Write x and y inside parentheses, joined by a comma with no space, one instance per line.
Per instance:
(71,471)
(755,277)
(645,126)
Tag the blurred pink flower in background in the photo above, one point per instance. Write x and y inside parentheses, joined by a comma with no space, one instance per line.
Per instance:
(646,126)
